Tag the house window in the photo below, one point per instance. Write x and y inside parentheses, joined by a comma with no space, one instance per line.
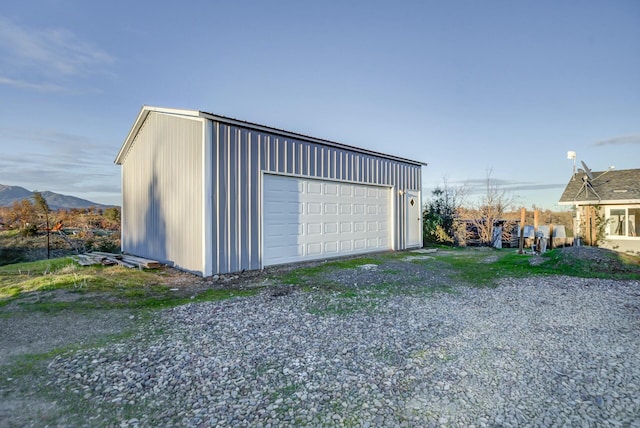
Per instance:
(634,222)
(624,222)
(618,225)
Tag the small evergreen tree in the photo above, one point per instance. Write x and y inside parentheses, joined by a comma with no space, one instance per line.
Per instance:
(440,216)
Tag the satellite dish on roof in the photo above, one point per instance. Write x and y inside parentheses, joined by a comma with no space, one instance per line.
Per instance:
(587,170)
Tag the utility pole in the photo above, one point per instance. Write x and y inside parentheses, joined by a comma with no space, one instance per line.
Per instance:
(521,227)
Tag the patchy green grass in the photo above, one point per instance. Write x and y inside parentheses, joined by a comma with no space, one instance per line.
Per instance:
(484,268)
(605,264)
(471,267)
(96,287)
(40,267)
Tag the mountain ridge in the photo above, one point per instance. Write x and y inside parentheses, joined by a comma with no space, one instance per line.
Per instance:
(56,201)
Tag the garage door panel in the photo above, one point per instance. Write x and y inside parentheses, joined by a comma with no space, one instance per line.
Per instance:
(314,228)
(314,187)
(331,208)
(330,189)
(305,219)
(314,208)
(331,247)
(314,249)
(346,245)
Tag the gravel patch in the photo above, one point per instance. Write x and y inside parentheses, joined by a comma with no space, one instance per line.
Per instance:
(35,333)
(540,351)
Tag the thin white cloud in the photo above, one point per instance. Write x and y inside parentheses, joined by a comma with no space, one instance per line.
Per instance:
(58,161)
(626,139)
(478,186)
(45,58)
(533,186)
(42,87)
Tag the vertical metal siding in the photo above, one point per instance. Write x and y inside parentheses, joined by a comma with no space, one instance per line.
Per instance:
(239,157)
(162,192)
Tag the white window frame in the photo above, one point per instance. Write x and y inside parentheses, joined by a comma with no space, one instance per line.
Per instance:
(626,208)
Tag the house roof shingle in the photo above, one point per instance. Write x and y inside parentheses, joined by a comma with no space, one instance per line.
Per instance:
(607,187)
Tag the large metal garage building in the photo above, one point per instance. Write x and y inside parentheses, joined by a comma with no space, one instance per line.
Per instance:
(210,194)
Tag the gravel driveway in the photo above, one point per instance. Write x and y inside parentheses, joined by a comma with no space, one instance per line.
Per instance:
(553,351)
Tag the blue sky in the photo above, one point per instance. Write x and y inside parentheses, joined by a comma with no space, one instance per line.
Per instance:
(467,86)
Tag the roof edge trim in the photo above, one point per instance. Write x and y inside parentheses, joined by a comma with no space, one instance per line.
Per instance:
(145,110)
(602,202)
(308,138)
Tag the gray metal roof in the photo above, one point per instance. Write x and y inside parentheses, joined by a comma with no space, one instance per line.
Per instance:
(231,121)
(607,187)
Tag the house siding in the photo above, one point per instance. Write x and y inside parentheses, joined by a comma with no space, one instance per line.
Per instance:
(162,186)
(240,155)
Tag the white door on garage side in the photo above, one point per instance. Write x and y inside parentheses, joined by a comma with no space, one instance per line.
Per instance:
(414,219)
(307,219)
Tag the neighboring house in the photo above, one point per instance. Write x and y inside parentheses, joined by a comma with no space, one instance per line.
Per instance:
(611,196)
(211,194)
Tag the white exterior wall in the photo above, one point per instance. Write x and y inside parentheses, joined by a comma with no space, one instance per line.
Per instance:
(162,187)
(240,155)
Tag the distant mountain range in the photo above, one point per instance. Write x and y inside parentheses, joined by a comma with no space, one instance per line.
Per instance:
(10,194)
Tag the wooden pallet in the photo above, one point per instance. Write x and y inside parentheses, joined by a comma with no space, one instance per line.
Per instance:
(99,257)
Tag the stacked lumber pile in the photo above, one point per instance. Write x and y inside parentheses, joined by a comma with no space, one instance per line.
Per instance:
(107,259)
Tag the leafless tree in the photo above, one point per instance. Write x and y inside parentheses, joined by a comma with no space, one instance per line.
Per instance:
(494,210)
(23,213)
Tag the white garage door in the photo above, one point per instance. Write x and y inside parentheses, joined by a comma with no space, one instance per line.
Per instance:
(306,219)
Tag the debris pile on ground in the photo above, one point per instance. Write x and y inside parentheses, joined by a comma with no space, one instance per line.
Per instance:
(107,259)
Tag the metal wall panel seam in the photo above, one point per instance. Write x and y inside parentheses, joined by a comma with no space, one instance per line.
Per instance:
(216,211)
(301,157)
(261,166)
(207,206)
(261,215)
(285,155)
(122,210)
(393,228)
(334,166)
(222,207)
(228,200)
(315,161)
(248,202)
(239,223)
(276,152)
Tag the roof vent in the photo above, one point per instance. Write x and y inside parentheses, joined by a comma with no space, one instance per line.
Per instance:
(620,191)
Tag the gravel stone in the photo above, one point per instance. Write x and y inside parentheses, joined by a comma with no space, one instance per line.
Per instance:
(541,351)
